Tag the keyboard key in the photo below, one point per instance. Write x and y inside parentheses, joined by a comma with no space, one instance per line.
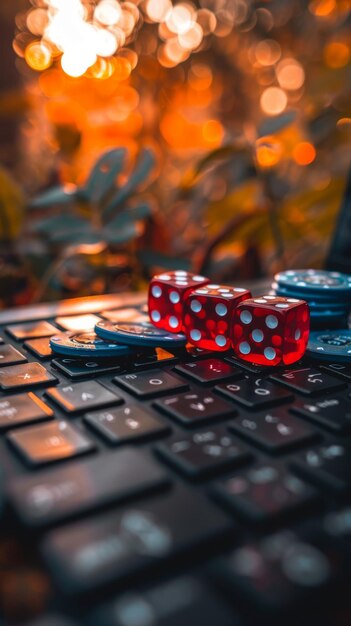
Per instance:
(158,356)
(278,574)
(274,431)
(125,314)
(209,371)
(265,492)
(308,381)
(333,412)
(75,368)
(49,442)
(78,397)
(78,322)
(40,347)
(115,546)
(184,601)
(126,424)
(255,393)
(192,409)
(25,375)
(245,365)
(328,467)
(338,369)
(150,383)
(55,495)
(31,330)
(10,356)
(22,408)
(204,452)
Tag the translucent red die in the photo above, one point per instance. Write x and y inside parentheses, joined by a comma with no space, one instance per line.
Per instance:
(208,314)
(270,330)
(167,293)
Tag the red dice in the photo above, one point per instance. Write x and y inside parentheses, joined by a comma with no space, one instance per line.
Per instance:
(270,330)
(208,313)
(167,293)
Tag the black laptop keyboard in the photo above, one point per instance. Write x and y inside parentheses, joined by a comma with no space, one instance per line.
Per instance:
(171,488)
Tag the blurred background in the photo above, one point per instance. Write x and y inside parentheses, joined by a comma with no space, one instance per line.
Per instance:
(138,136)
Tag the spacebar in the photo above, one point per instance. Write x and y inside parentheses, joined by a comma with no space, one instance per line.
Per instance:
(58,494)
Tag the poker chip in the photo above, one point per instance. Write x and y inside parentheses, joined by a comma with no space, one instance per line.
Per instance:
(333,345)
(138,334)
(328,294)
(318,281)
(86,344)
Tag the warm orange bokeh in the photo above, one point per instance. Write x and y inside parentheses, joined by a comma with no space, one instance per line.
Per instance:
(304,153)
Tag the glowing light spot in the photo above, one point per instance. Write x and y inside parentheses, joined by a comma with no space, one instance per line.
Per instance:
(105,43)
(158,10)
(336,54)
(267,52)
(180,19)
(304,153)
(38,56)
(212,132)
(192,38)
(273,101)
(322,8)
(108,12)
(268,151)
(290,74)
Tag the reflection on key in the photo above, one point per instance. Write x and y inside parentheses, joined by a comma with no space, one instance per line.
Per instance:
(49,442)
(22,408)
(78,322)
(30,330)
(24,375)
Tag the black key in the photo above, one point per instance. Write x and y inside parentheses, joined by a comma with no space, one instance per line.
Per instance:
(150,383)
(308,381)
(127,423)
(275,431)
(192,352)
(40,347)
(338,369)
(31,330)
(10,356)
(192,409)
(249,367)
(265,492)
(328,467)
(278,573)
(209,371)
(56,495)
(158,356)
(21,409)
(185,601)
(115,546)
(204,452)
(255,393)
(75,368)
(333,412)
(49,442)
(78,397)
(25,375)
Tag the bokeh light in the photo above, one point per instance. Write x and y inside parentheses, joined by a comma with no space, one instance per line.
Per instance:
(38,56)
(273,101)
(304,153)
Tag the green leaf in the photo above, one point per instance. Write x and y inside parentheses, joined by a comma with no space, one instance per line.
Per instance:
(143,167)
(273,125)
(121,235)
(57,196)
(103,174)
(59,223)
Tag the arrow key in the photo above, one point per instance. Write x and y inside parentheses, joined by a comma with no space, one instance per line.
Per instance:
(79,397)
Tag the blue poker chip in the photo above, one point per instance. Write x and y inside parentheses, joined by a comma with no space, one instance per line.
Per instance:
(316,299)
(332,345)
(138,334)
(86,345)
(315,281)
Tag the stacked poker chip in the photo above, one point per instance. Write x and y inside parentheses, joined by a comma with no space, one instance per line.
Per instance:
(327,293)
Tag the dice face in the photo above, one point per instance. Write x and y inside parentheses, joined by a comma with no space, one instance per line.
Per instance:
(270,330)
(167,293)
(208,313)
